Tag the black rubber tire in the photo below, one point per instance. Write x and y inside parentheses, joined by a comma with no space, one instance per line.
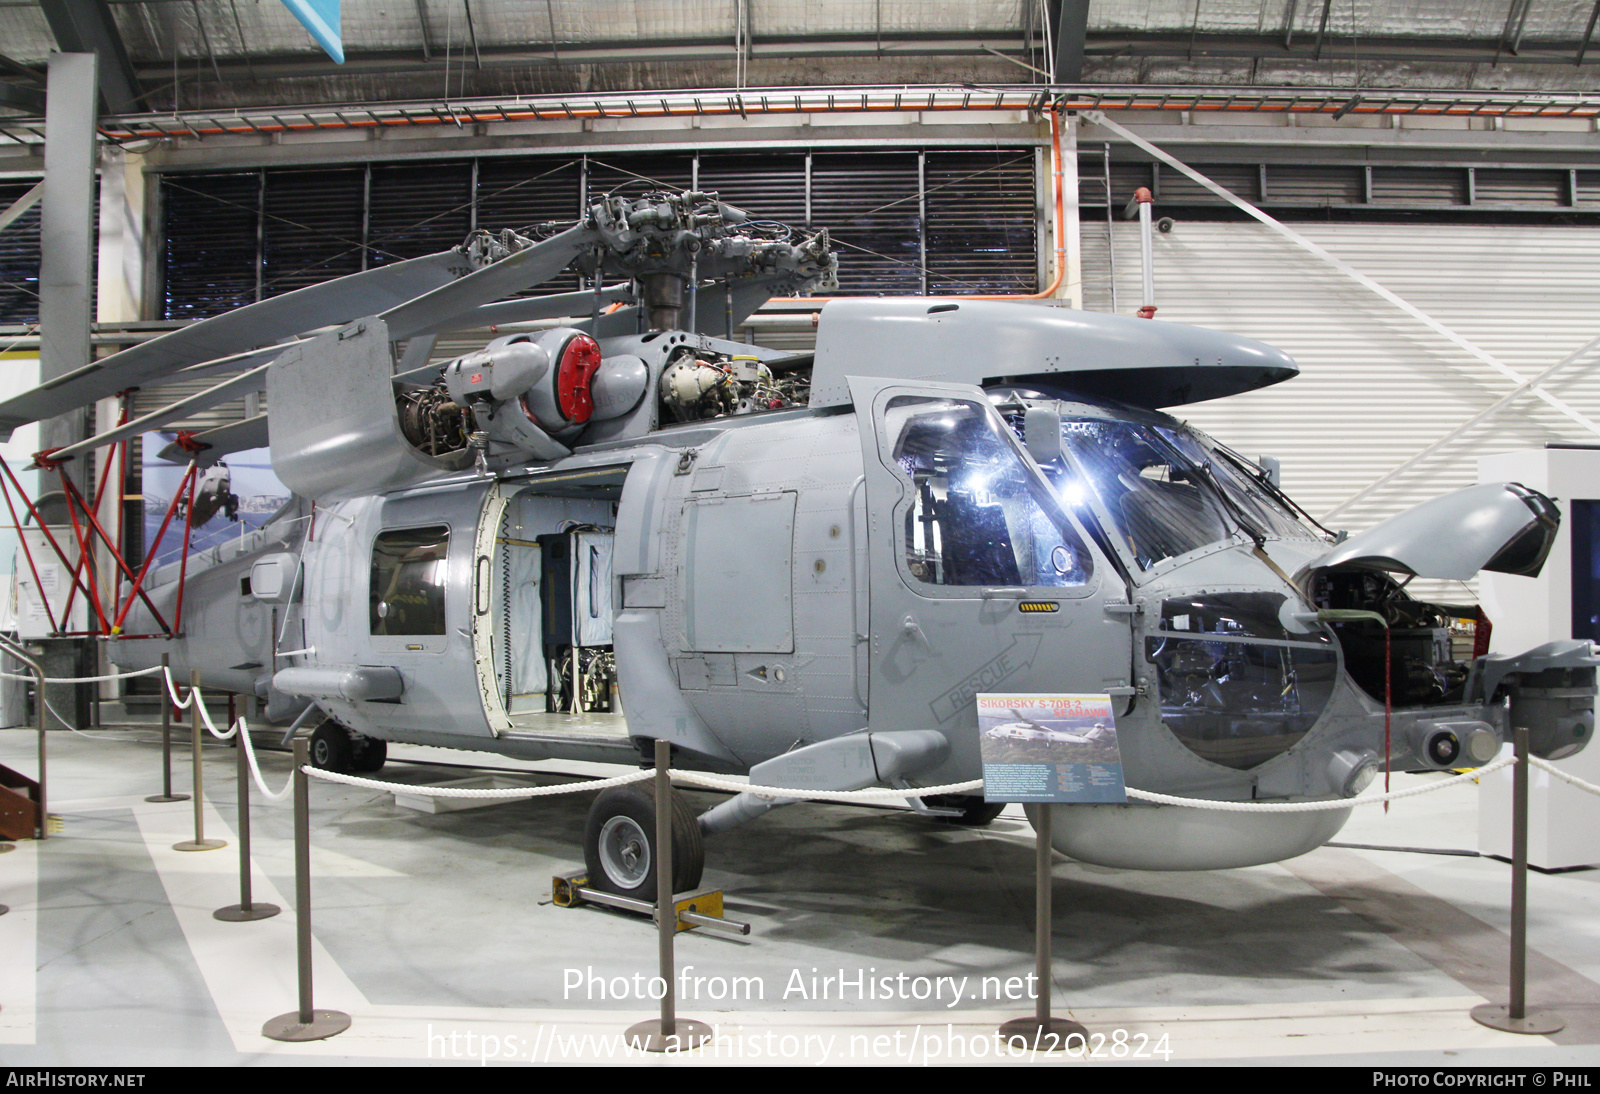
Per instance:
(634,808)
(370,754)
(331,749)
(975,812)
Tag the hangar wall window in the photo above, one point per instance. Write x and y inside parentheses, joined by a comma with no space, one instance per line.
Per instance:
(20,254)
(905,222)
(408,580)
(19,257)
(1443,193)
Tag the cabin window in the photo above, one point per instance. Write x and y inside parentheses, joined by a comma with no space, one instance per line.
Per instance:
(408,580)
(978,514)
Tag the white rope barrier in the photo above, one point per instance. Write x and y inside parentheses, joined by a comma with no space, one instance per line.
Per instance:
(712,782)
(82,679)
(1564,776)
(172,691)
(472,792)
(242,728)
(205,716)
(1318,806)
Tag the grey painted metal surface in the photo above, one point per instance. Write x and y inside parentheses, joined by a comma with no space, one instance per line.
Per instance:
(986,341)
(334,429)
(66,238)
(811,588)
(1484,520)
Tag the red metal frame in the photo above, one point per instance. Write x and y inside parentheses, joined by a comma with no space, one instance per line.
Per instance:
(187,482)
(87,532)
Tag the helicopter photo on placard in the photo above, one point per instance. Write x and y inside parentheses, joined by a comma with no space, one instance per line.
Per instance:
(1049,748)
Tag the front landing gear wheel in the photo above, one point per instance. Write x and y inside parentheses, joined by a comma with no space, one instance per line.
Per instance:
(619,843)
(975,812)
(331,749)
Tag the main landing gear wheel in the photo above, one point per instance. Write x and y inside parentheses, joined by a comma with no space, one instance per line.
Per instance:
(331,749)
(370,754)
(619,843)
(975,812)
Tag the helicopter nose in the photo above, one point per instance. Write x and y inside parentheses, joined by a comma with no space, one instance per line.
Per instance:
(1240,679)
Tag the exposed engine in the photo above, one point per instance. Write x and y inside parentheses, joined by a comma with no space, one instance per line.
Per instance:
(533,395)
(433,422)
(1424,667)
(697,384)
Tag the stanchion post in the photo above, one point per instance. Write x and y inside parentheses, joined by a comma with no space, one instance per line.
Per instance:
(1515,1017)
(1043,1032)
(199,843)
(166,794)
(669,1033)
(245,911)
(306,1023)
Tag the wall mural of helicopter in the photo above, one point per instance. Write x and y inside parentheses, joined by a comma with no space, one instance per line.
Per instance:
(576,541)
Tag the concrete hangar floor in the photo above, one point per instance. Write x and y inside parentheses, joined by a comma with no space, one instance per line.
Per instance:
(436,933)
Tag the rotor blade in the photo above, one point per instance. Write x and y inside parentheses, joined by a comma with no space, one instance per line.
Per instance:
(533,308)
(245,328)
(236,362)
(528,267)
(204,400)
(222,441)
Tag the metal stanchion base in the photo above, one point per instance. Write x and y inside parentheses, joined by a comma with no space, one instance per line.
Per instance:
(323,1024)
(199,845)
(1534,1020)
(687,1034)
(1048,1036)
(167,798)
(239,913)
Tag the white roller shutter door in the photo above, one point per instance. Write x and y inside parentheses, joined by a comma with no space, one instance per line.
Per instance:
(1377,387)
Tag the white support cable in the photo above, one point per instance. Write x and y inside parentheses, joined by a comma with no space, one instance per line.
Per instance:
(472,792)
(1499,366)
(1564,776)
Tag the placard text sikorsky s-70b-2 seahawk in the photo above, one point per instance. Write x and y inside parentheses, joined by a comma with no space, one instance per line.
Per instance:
(576,541)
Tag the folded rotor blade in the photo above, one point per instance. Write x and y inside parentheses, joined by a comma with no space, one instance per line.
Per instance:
(203,400)
(222,441)
(532,308)
(245,328)
(442,307)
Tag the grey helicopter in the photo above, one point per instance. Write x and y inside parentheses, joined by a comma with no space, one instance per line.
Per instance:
(1022,728)
(577,541)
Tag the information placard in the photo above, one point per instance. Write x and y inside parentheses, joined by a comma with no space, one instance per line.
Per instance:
(1049,748)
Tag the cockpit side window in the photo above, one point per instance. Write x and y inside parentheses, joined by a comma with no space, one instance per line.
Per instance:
(408,581)
(978,515)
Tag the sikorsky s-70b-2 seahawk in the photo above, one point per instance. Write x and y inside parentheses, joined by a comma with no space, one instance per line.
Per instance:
(576,541)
